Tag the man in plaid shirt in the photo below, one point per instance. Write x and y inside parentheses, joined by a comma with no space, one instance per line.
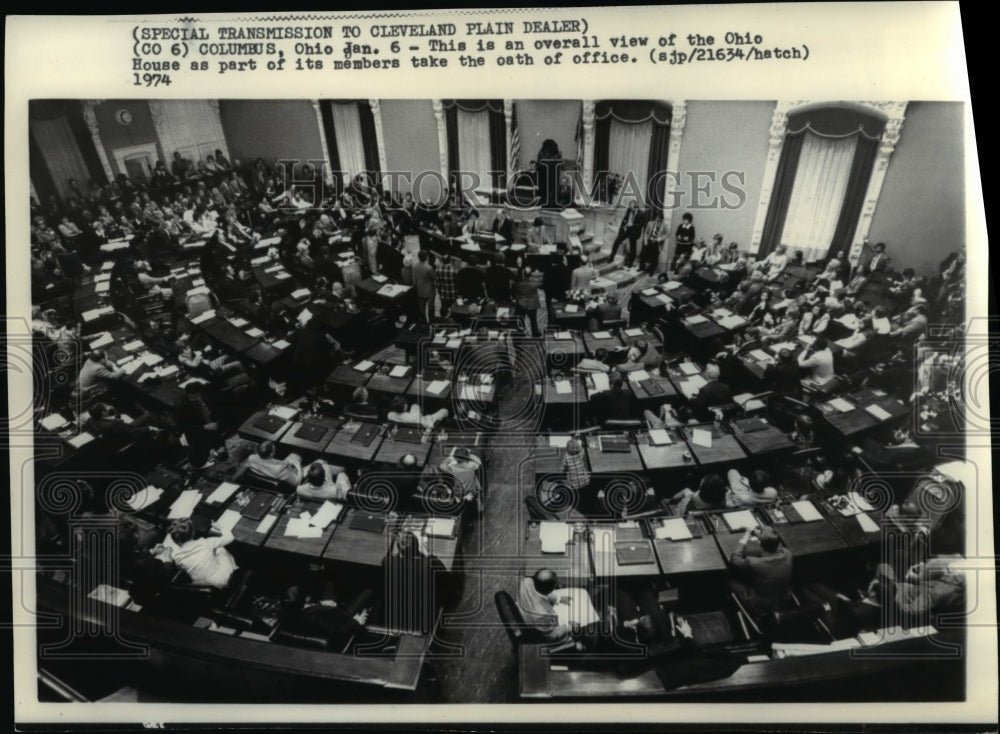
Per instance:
(445,275)
(575,466)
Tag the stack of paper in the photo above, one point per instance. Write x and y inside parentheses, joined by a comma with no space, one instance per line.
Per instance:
(689,368)
(184,505)
(301,293)
(807,511)
(285,412)
(109,595)
(133,366)
(649,291)
(696,319)
(739,520)
(228,520)
(503,312)
(440,527)
(326,514)
(866,523)
(254,332)
(563,387)
(201,289)
(554,536)
(563,335)
(558,441)
(399,371)
(879,412)
(380,279)
(144,497)
(266,524)
(671,285)
(638,376)
(168,371)
(600,381)
(437,386)
(659,437)
(102,340)
(760,355)
(81,440)
(238,322)
(634,332)
(222,493)
(151,359)
(283,275)
(572,308)
(281,344)
(203,317)
(364,365)
(133,345)
(102,286)
(53,422)
(299,527)
(580,609)
(673,528)
(701,437)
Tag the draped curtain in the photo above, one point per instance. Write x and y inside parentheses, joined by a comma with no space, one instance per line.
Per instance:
(632,139)
(191,127)
(821,181)
(347,131)
(477,140)
(57,146)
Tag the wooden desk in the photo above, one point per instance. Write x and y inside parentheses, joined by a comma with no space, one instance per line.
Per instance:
(308,547)
(422,380)
(361,547)
(342,446)
(383,383)
(670,456)
(604,462)
(573,565)
(699,554)
(253,432)
(228,336)
(804,538)
(635,334)
(763,441)
(603,554)
(592,341)
(654,399)
(724,449)
(576,396)
(576,319)
(347,378)
(245,531)
(563,354)
(329,426)
(849,527)
(392,450)
(699,327)
(548,457)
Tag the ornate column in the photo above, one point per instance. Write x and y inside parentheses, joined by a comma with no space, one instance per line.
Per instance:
(90,118)
(327,166)
(588,145)
(678,116)
(379,135)
(894,112)
(508,113)
(442,140)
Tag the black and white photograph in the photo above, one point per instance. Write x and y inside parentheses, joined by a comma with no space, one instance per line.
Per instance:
(526,400)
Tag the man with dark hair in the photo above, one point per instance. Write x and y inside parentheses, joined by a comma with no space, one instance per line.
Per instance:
(321,614)
(444,277)
(498,280)
(618,403)
(783,375)
(424,283)
(97,370)
(538,597)
(288,471)
(633,221)
(470,283)
(105,420)
(766,569)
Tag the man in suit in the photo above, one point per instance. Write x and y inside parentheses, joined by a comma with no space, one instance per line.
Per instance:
(504,226)
(766,568)
(498,280)
(423,281)
(470,283)
(582,275)
(630,228)
(711,395)
(655,235)
(617,404)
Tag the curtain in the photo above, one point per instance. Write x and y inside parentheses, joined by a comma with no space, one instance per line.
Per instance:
(191,127)
(347,130)
(369,140)
(41,179)
(326,113)
(854,199)
(474,145)
(58,148)
(659,148)
(784,180)
(818,193)
(628,154)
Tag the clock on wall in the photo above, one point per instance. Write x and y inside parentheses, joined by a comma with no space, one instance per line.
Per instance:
(124,117)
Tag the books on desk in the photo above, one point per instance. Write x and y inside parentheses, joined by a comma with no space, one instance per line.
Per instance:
(222,493)
(81,440)
(673,528)
(144,497)
(54,422)
(807,511)
(184,505)
(554,536)
(659,437)
(739,520)
(580,609)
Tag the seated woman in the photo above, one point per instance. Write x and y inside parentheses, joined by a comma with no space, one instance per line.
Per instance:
(205,560)
(413,416)
(711,495)
(324,482)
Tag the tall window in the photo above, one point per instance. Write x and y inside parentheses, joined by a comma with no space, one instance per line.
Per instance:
(349,127)
(632,139)
(477,141)
(823,174)
(191,127)
(60,148)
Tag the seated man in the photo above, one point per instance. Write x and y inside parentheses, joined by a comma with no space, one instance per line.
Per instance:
(766,570)
(633,361)
(710,395)
(641,619)
(711,495)
(196,361)
(413,416)
(538,598)
(757,490)
(205,560)
(597,363)
(466,468)
(324,482)
(107,422)
(98,370)
(618,403)
(359,407)
(648,355)
(320,614)
(287,471)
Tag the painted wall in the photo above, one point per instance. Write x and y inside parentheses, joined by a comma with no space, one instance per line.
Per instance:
(538,119)
(921,211)
(114,135)
(411,143)
(271,129)
(719,137)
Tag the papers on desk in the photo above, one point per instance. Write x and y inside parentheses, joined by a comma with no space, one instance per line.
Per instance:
(112,246)
(807,338)
(364,365)
(671,284)
(107,265)
(228,520)
(760,355)
(571,308)
(600,334)
(203,317)
(169,371)
(281,344)
(304,317)
(473,392)
(807,511)
(151,359)
(96,313)
(790,346)
(198,282)
(184,505)
(102,286)
(558,442)
(283,275)
(82,440)
(673,528)
(102,340)
(326,514)
(634,332)
(696,319)
(198,290)
(238,322)
(274,268)
(649,291)
(739,520)
(254,332)
(731,322)
(580,610)
(503,312)
(399,371)
(440,527)
(689,368)
(133,345)
(600,380)
(866,523)
(380,279)
(299,527)
(638,375)
(267,242)
(259,260)
(859,502)
(392,290)
(285,412)
(563,335)
(54,422)
(110,595)
(144,497)
(701,437)
(660,437)
(879,412)
(266,524)
(841,405)
(563,387)
(222,493)
(453,343)
(437,386)
(554,536)
(695,382)
(301,293)
(132,367)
